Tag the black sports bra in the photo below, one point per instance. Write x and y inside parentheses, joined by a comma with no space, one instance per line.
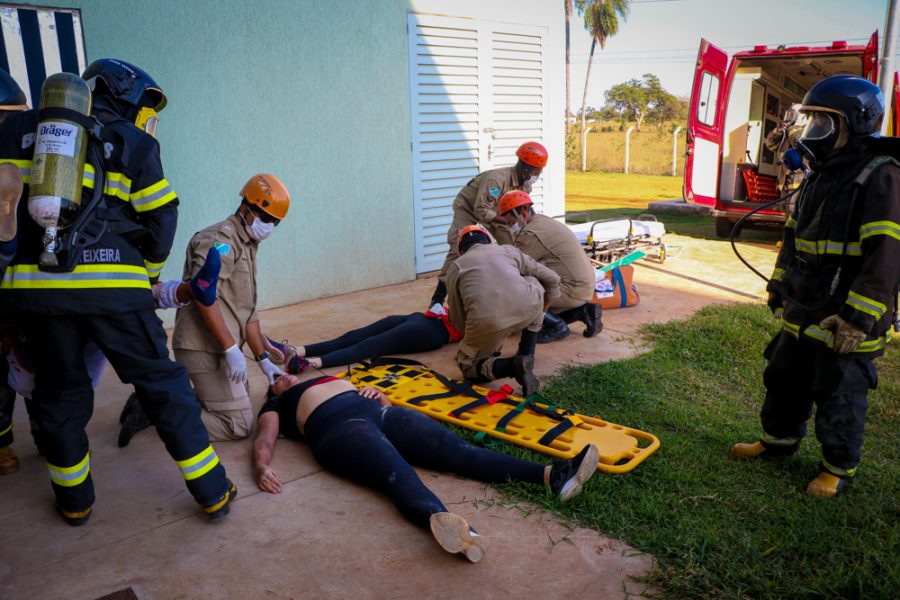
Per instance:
(285,404)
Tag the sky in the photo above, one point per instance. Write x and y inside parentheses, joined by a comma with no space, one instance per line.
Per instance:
(662,36)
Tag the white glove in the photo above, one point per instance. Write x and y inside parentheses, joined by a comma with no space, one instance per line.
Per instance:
(270,370)
(236,365)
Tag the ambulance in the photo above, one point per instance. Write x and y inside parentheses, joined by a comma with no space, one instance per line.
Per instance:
(734,105)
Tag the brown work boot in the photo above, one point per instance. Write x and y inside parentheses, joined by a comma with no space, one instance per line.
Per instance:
(758,449)
(9,462)
(827,485)
(10,192)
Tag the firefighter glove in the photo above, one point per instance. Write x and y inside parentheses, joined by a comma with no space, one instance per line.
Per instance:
(236,365)
(774,301)
(847,338)
(270,370)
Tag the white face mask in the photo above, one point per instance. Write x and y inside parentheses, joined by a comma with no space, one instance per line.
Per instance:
(514,229)
(259,230)
(533,179)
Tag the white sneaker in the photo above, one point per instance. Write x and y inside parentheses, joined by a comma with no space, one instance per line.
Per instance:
(455,536)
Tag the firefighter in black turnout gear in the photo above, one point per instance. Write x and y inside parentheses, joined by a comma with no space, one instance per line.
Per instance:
(834,284)
(101,291)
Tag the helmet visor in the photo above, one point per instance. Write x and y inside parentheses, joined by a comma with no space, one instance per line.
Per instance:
(819,126)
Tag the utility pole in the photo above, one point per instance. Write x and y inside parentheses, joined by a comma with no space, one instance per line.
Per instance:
(886,68)
(584,148)
(628,146)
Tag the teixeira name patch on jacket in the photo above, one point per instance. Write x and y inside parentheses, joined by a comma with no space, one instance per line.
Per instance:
(101,255)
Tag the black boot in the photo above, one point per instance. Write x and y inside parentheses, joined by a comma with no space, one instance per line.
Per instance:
(133,420)
(553,329)
(527,343)
(592,319)
(519,367)
(440,293)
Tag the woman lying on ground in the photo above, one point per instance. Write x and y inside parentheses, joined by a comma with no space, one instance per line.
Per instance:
(357,434)
(397,334)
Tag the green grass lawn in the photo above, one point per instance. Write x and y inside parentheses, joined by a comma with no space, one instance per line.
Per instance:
(608,195)
(718,527)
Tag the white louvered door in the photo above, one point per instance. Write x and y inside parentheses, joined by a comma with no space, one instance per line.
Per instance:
(477,90)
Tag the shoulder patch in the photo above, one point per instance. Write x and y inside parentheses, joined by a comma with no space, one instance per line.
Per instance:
(222,248)
(494,192)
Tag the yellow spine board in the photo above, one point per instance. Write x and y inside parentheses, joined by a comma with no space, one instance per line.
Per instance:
(621,448)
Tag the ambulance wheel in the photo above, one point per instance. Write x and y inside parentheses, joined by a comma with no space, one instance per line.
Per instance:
(723,227)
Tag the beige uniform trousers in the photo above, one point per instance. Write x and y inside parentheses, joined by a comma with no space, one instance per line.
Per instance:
(478,349)
(226,413)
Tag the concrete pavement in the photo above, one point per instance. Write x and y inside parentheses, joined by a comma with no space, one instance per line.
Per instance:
(323,537)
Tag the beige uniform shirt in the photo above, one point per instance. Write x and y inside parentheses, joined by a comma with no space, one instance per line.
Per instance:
(489,288)
(477,201)
(554,245)
(236,291)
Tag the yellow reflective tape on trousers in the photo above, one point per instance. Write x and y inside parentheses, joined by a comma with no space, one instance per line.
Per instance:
(153,197)
(837,470)
(791,222)
(866,305)
(888,228)
(5,431)
(777,274)
(30,277)
(154,268)
(70,476)
(820,247)
(199,464)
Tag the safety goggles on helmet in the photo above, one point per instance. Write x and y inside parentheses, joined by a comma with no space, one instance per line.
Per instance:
(263,216)
(147,120)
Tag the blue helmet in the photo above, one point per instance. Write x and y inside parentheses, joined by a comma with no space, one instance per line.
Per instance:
(125,83)
(11,95)
(858,100)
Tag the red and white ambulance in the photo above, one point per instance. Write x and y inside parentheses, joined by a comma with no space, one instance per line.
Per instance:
(734,106)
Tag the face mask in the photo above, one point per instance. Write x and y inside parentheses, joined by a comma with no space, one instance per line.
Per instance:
(533,179)
(514,229)
(819,137)
(259,230)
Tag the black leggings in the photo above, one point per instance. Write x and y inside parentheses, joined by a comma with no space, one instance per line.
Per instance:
(357,438)
(397,334)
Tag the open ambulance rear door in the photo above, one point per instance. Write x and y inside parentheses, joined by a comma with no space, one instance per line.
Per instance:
(705,122)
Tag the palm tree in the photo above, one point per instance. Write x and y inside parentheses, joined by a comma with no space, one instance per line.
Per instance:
(601,19)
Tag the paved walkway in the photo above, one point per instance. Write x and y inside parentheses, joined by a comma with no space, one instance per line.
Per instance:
(323,537)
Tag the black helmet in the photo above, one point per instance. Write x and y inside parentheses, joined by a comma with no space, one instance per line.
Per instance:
(125,82)
(858,100)
(11,95)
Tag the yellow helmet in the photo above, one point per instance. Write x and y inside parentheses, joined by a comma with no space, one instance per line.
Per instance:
(267,193)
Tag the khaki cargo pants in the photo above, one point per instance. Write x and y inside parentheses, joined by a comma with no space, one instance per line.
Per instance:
(226,413)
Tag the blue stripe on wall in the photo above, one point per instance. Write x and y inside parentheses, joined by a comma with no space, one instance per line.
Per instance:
(34,53)
(65,33)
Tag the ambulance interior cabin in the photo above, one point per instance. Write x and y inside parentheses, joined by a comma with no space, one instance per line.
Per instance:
(761,91)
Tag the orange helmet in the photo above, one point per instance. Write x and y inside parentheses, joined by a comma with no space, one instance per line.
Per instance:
(514,199)
(267,193)
(533,153)
(472,230)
